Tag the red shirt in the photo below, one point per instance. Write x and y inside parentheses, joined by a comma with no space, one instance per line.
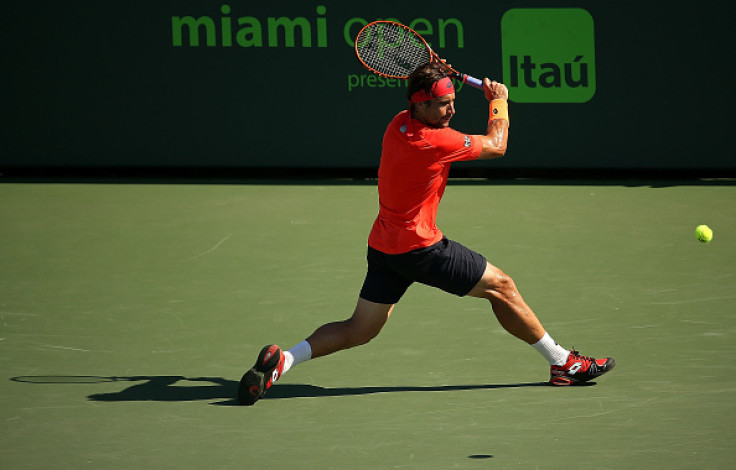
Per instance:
(412,176)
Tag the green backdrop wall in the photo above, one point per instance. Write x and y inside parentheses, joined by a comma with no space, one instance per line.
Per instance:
(252,84)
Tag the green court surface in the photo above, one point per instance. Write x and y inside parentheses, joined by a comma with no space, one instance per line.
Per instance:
(128,313)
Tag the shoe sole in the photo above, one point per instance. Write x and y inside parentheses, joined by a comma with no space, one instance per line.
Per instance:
(561,381)
(251,387)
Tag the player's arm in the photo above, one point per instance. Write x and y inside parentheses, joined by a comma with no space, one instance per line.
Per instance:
(497,134)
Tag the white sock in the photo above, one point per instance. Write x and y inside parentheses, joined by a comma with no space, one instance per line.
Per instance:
(555,354)
(299,353)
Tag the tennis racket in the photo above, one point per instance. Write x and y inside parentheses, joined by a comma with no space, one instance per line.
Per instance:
(393,50)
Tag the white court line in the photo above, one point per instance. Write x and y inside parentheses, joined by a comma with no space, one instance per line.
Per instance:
(211,249)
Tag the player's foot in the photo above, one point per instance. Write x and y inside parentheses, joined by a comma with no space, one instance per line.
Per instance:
(266,371)
(579,369)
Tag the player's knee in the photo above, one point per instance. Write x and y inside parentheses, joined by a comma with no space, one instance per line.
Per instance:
(360,341)
(366,336)
(361,334)
(503,287)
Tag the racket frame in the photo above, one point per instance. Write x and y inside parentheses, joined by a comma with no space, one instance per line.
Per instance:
(465,78)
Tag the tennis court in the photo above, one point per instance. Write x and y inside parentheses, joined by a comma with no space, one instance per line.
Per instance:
(128,313)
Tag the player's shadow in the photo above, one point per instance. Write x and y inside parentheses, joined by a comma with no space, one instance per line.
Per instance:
(279,391)
(174,388)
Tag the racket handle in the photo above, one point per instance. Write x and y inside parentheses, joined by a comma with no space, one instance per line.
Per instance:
(472,81)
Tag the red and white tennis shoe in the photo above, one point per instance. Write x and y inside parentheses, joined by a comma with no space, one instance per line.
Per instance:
(268,368)
(579,369)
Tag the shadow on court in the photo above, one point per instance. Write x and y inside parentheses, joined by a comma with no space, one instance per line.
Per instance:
(313,391)
(176,388)
(151,388)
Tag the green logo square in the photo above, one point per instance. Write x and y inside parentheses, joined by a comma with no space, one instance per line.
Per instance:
(548,55)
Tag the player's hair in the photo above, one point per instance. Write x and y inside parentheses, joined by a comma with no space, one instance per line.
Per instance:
(424,76)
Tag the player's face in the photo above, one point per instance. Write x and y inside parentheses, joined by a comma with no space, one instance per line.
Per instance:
(436,112)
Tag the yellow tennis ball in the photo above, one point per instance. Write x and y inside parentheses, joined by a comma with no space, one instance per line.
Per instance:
(703,233)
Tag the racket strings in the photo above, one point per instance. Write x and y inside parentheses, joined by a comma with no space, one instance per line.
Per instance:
(391,50)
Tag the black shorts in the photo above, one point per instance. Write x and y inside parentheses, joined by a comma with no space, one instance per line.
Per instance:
(447,265)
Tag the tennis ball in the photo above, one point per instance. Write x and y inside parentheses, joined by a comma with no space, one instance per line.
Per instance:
(703,233)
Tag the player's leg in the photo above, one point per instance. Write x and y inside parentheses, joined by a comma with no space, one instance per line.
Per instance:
(364,325)
(509,307)
(515,315)
(382,289)
(566,367)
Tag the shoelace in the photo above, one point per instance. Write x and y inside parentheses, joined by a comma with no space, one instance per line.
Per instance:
(577,356)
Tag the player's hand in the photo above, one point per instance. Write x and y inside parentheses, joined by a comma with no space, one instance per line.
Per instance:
(495,90)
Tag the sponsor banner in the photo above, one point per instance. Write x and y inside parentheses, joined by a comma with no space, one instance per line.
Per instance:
(549,55)
(239,83)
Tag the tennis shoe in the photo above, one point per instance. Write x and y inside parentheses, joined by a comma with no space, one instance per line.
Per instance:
(268,368)
(579,369)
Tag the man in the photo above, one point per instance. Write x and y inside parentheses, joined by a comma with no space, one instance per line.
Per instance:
(405,245)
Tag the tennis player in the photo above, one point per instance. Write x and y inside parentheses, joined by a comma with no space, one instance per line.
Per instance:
(405,245)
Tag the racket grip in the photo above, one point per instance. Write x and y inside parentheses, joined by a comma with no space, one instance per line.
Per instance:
(472,81)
